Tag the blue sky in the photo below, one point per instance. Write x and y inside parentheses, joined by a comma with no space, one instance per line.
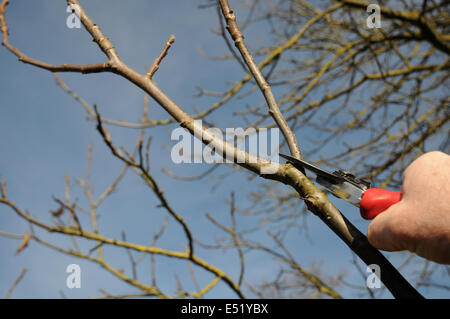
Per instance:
(44,136)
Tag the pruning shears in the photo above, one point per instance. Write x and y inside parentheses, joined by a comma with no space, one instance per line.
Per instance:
(344,185)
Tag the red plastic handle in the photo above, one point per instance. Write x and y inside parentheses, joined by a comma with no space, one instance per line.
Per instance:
(376,200)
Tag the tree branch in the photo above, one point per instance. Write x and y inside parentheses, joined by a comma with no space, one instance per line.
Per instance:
(157,62)
(274,110)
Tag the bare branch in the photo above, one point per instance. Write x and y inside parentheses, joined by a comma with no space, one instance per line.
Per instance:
(71,209)
(16,282)
(155,66)
(274,111)
(118,243)
(24,244)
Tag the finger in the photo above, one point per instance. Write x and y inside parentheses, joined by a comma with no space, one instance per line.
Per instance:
(386,231)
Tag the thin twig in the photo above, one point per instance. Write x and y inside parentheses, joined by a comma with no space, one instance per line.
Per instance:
(71,209)
(10,235)
(15,283)
(157,62)
(130,256)
(236,239)
(2,188)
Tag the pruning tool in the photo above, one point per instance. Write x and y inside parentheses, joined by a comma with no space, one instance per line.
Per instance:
(344,185)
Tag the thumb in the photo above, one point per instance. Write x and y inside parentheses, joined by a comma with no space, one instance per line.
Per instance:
(387,231)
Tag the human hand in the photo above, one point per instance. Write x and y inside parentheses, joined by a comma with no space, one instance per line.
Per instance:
(420,222)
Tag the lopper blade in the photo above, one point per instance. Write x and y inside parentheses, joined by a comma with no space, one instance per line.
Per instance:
(341,184)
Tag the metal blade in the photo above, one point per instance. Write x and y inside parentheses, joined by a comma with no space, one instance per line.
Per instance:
(338,184)
(318,171)
(345,190)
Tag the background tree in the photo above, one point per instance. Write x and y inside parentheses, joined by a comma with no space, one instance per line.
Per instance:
(368,100)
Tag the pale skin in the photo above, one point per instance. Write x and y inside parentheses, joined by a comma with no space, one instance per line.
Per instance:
(420,222)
